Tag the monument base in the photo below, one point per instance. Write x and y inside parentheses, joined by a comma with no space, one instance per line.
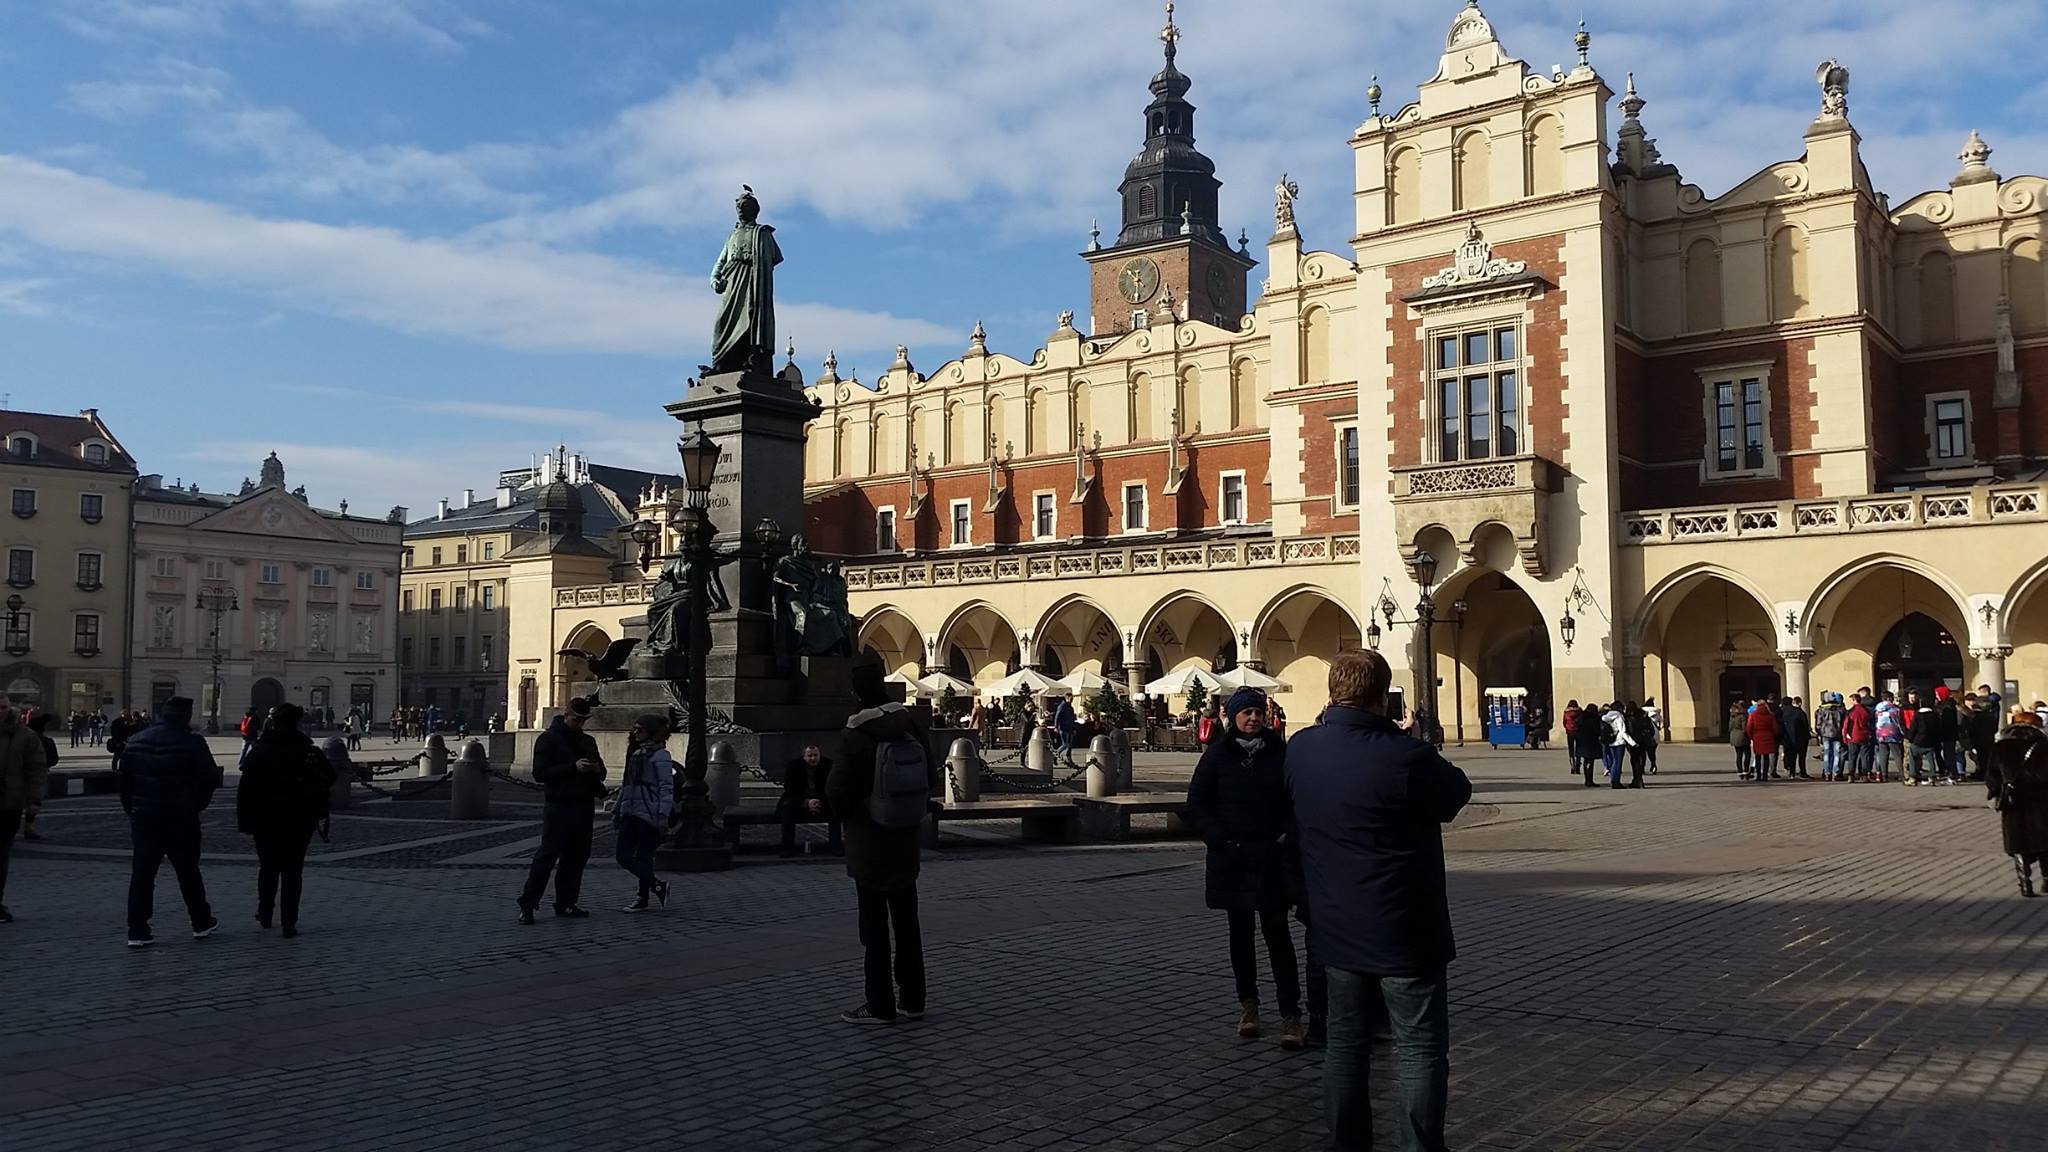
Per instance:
(696,859)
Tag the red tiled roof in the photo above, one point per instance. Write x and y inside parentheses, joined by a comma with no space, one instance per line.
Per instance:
(60,440)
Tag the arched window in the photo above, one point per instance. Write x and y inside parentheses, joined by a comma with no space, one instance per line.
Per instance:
(1789,291)
(1545,144)
(888,445)
(1141,422)
(1244,395)
(1702,286)
(842,449)
(96,452)
(1038,424)
(1404,186)
(1083,417)
(919,433)
(1475,166)
(957,451)
(1315,346)
(1937,298)
(1188,399)
(22,446)
(2026,288)
(1148,201)
(998,424)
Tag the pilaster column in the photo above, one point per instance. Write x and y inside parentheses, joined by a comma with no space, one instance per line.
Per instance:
(1797,661)
(1991,670)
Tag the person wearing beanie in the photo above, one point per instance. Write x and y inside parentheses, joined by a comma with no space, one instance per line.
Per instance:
(2016,782)
(167,778)
(567,765)
(1237,804)
(646,796)
(282,798)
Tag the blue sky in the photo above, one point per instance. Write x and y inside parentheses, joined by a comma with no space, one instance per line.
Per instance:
(406,243)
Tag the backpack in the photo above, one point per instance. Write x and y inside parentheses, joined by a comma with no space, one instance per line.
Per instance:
(902,788)
(1205,730)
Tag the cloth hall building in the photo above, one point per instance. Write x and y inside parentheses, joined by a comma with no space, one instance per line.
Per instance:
(1653,443)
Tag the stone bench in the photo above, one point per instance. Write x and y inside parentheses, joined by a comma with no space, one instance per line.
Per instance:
(81,782)
(1109,817)
(1054,821)
(754,815)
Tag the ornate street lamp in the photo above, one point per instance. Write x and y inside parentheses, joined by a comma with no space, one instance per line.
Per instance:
(769,533)
(645,533)
(1372,634)
(700,455)
(14,606)
(1578,597)
(697,844)
(219,602)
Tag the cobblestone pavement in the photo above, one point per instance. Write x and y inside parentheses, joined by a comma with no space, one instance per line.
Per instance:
(1701,965)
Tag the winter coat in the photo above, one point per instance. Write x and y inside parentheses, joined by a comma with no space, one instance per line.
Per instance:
(878,858)
(286,782)
(1738,728)
(1762,727)
(1370,803)
(1828,722)
(648,788)
(167,772)
(555,753)
(1615,729)
(24,768)
(2016,777)
(1590,736)
(1890,724)
(1858,727)
(1949,723)
(1237,804)
(1924,730)
(1982,726)
(1793,728)
(802,783)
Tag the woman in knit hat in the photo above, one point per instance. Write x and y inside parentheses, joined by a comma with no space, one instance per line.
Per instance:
(2016,776)
(1237,803)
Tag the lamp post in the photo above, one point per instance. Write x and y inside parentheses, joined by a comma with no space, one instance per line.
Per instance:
(14,606)
(219,602)
(1425,622)
(696,844)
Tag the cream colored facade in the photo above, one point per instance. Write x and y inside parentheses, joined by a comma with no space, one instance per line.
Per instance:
(453,617)
(1784,438)
(68,480)
(315,593)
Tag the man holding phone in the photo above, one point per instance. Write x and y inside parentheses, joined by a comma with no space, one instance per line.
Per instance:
(566,762)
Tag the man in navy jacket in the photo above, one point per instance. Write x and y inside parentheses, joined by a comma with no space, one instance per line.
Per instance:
(1370,803)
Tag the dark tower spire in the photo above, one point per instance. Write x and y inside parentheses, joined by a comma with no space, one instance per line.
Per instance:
(1169,174)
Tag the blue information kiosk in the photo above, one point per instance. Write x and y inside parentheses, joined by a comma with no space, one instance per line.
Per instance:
(1507,717)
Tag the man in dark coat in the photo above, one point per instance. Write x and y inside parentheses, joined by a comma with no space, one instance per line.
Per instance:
(24,774)
(1794,730)
(2016,776)
(1237,804)
(1370,803)
(883,862)
(280,801)
(565,760)
(803,795)
(167,779)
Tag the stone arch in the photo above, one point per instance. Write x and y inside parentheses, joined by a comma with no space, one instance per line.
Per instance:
(842,448)
(1244,393)
(887,455)
(2030,583)
(1083,410)
(2027,285)
(1829,593)
(1037,423)
(1937,298)
(1140,414)
(589,636)
(1297,635)
(978,643)
(1077,633)
(1404,186)
(1673,589)
(1188,399)
(890,634)
(1703,285)
(1473,161)
(1501,640)
(1545,159)
(1791,292)
(1189,628)
(957,450)
(1315,345)
(1855,608)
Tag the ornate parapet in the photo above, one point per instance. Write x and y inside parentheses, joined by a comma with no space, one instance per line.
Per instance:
(1932,508)
(1463,498)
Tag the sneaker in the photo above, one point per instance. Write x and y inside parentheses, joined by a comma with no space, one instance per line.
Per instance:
(6,917)
(913,1013)
(635,906)
(141,941)
(859,1014)
(208,930)
(1290,1033)
(1248,1020)
(263,921)
(661,893)
(291,932)
(572,912)
(525,915)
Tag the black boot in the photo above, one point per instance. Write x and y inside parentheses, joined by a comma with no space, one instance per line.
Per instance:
(2025,870)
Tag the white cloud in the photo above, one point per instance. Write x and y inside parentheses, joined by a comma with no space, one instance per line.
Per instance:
(372,480)
(435,24)
(511,295)
(23,297)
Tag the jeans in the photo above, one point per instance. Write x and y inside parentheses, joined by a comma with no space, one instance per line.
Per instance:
(157,838)
(1315,978)
(1419,1010)
(1244,957)
(564,840)
(1832,762)
(1931,759)
(1763,763)
(878,911)
(1890,755)
(637,841)
(10,823)
(1611,757)
(281,861)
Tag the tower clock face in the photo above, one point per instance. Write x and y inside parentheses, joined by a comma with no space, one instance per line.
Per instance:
(1139,280)
(1219,286)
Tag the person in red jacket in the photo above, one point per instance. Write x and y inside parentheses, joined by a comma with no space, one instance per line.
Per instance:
(1763,740)
(1858,735)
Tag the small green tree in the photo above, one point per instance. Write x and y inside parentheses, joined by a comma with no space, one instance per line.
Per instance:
(1111,709)
(949,706)
(1198,698)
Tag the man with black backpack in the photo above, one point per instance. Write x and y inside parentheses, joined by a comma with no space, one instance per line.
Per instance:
(882,786)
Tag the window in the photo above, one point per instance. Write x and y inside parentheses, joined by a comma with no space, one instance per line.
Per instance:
(405,651)
(92,507)
(406,560)
(462,553)
(1044,517)
(459,652)
(437,557)
(1347,466)
(885,530)
(433,651)
(405,600)
(962,514)
(20,628)
(462,598)
(489,597)
(270,572)
(22,446)
(490,549)
(366,580)
(24,502)
(1134,507)
(85,633)
(1232,489)
(166,566)
(323,577)
(1948,418)
(1739,416)
(95,453)
(21,567)
(89,570)
(216,569)
(1478,393)
(483,653)
(163,626)
(433,599)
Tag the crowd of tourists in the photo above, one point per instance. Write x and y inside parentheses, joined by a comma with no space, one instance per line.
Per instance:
(1918,738)
(1610,736)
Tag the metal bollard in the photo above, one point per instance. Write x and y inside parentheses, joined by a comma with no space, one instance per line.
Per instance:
(722,774)
(1102,768)
(1120,741)
(469,790)
(341,795)
(963,764)
(1038,752)
(436,763)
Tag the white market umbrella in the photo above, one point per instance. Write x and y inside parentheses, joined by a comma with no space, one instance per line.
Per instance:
(937,683)
(1243,677)
(1086,683)
(918,691)
(1027,681)
(1176,685)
